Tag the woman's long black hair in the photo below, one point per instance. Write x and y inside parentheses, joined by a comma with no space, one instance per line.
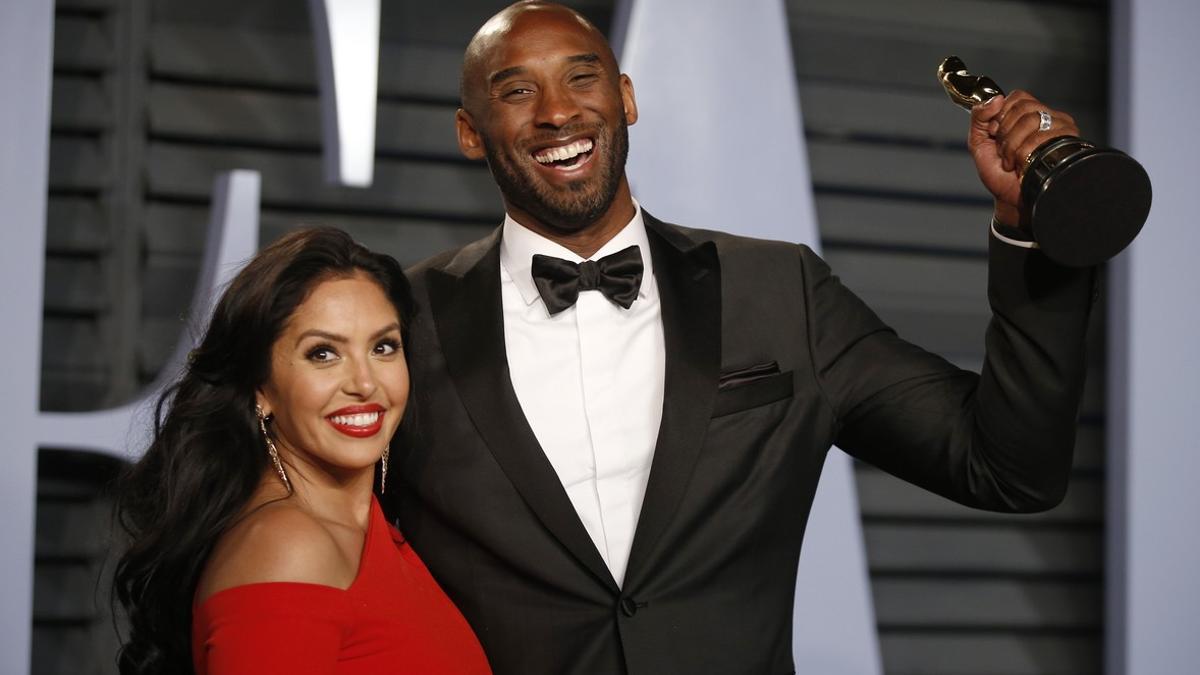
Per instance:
(208,455)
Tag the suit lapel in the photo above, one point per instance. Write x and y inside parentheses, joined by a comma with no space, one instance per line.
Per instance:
(689,284)
(465,301)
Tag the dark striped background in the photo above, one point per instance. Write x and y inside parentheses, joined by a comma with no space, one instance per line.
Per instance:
(152,97)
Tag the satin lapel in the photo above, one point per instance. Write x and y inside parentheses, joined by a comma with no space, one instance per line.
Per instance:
(465,301)
(689,285)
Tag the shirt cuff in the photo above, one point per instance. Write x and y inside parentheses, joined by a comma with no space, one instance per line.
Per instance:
(1020,243)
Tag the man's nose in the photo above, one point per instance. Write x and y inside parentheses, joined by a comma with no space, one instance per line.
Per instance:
(556,107)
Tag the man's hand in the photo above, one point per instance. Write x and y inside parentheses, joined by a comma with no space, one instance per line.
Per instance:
(1004,133)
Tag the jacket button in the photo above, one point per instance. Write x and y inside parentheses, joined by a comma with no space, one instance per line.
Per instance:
(628,606)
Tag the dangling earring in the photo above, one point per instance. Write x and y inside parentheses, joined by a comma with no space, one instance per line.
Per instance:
(271,450)
(383,460)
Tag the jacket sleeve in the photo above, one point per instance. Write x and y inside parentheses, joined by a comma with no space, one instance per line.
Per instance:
(271,628)
(999,440)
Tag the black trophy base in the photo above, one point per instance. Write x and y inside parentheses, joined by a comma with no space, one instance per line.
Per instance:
(1084,203)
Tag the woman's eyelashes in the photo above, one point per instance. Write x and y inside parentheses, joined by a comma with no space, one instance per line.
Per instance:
(387,347)
(326,353)
(322,353)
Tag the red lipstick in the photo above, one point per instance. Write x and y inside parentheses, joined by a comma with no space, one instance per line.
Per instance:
(358,421)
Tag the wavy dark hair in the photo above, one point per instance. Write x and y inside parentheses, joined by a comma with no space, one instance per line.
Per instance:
(207,455)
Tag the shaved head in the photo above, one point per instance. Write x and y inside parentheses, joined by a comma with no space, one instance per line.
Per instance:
(544,102)
(493,34)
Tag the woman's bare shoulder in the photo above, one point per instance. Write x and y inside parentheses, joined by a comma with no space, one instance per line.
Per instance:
(276,542)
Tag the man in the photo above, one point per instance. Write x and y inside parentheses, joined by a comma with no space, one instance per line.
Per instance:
(611,463)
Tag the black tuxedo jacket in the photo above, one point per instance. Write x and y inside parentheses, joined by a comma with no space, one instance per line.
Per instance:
(770,360)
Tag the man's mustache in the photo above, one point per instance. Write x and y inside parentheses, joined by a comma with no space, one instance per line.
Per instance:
(562,133)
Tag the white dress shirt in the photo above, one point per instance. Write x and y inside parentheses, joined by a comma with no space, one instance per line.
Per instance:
(590,382)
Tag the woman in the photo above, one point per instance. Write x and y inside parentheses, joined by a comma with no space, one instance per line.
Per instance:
(257,543)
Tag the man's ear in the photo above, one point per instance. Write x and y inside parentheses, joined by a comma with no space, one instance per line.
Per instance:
(470,144)
(627,99)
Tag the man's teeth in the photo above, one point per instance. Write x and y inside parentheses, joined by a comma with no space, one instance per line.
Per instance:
(359,420)
(564,152)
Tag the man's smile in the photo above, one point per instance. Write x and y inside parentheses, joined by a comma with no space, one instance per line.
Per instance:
(567,156)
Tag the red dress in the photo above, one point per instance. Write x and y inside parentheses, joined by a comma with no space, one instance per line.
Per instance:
(394,618)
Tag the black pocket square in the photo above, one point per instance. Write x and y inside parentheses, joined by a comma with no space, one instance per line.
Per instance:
(736,378)
(752,391)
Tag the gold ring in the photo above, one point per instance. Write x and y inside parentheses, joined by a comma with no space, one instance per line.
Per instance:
(1025,167)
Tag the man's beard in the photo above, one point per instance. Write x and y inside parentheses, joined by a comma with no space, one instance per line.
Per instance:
(583,201)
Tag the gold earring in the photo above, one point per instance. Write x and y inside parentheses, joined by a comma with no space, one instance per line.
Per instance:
(384,461)
(271,450)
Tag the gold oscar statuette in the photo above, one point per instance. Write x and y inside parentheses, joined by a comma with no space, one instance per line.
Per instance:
(1082,203)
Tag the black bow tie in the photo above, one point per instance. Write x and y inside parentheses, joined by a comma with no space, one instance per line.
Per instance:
(617,276)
